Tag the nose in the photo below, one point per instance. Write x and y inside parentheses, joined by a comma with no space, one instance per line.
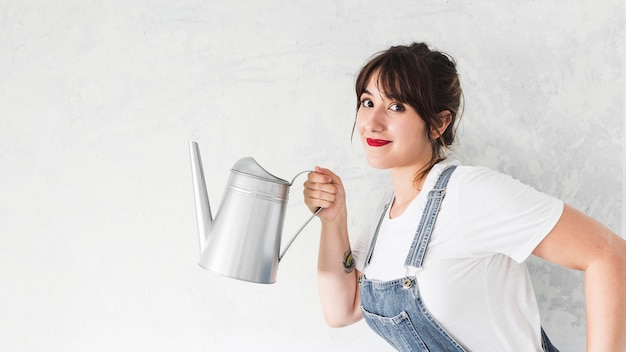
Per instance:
(371,119)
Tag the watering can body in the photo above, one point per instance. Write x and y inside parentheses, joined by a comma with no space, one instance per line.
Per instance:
(243,240)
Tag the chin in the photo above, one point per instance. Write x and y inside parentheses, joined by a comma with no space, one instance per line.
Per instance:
(378,164)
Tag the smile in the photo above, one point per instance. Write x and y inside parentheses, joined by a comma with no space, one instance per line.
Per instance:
(377,142)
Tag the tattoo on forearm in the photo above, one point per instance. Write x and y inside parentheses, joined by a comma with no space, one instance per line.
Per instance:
(348,262)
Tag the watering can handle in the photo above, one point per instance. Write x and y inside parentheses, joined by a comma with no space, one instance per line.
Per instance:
(301,227)
(298,174)
(297,233)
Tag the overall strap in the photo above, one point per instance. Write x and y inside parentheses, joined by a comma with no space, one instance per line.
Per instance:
(373,243)
(417,251)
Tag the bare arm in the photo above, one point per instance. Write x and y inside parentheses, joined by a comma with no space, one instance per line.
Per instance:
(579,242)
(337,279)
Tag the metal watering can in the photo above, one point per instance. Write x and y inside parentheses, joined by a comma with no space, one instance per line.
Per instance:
(243,240)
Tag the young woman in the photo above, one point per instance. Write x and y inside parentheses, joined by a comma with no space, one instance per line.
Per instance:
(443,267)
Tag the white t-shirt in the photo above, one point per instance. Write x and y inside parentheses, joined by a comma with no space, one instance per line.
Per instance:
(474,281)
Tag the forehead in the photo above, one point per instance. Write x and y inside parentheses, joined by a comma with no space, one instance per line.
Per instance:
(373,83)
(381,84)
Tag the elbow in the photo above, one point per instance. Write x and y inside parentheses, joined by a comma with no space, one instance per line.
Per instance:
(335,323)
(620,262)
(611,263)
(616,256)
(338,320)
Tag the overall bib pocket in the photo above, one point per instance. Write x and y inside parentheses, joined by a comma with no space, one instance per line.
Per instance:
(397,330)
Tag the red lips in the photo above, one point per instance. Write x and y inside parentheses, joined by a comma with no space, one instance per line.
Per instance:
(377,142)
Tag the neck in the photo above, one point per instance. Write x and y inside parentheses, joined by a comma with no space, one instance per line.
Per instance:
(405,188)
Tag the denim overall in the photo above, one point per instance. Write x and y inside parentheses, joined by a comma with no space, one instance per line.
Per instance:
(394,309)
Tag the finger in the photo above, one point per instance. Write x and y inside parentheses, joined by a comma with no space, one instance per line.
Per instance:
(314,203)
(321,195)
(320,187)
(318,177)
(334,178)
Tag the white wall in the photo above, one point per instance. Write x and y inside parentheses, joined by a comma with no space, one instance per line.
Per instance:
(98,99)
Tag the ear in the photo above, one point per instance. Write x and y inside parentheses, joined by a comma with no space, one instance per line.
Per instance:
(443,119)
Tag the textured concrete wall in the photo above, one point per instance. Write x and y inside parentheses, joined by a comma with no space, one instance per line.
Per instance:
(98,99)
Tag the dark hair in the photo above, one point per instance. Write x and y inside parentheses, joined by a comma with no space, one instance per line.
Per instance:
(425,79)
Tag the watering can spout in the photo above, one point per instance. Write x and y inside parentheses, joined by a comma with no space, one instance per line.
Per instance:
(203,208)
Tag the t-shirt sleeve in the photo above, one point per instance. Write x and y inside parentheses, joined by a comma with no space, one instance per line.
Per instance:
(499,214)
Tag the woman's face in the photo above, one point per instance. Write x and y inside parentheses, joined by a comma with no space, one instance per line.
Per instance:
(392,133)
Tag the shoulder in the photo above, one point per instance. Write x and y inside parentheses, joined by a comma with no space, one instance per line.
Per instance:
(496,213)
(492,190)
(483,179)
(476,176)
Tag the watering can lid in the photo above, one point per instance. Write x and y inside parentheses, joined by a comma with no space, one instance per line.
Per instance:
(250,167)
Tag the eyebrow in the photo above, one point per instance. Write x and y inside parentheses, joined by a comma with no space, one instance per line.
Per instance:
(382,94)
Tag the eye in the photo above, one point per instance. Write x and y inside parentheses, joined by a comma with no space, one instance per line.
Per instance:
(366,103)
(397,107)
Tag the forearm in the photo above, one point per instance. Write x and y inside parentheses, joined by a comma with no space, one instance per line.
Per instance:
(337,279)
(605,290)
